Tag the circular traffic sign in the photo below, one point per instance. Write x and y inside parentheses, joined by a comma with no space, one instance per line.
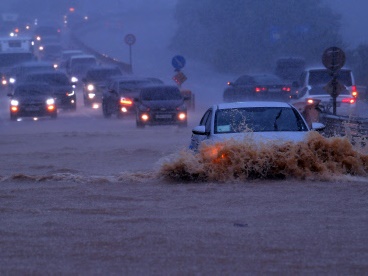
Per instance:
(178,62)
(129,39)
(333,58)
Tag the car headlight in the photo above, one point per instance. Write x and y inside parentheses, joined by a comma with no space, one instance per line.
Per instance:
(40,48)
(126,101)
(90,87)
(91,95)
(11,80)
(56,66)
(14,102)
(74,79)
(182,116)
(50,101)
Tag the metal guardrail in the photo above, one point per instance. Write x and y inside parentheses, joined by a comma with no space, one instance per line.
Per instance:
(104,58)
(125,67)
(351,127)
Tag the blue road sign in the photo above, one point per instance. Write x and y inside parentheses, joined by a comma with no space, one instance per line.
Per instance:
(178,62)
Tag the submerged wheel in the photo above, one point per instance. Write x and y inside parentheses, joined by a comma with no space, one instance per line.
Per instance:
(139,124)
(105,111)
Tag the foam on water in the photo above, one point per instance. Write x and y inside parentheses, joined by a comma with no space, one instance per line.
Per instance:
(317,158)
(124,177)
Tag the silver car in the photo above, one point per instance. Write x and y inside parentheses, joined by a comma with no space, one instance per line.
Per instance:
(261,121)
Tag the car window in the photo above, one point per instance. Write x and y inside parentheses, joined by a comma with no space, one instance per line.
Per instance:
(206,120)
(320,77)
(244,80)
(161,94)
(52,79)
(267,79)
(258,119)
(31,91)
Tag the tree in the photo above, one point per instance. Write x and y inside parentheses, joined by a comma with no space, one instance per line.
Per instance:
(241,35)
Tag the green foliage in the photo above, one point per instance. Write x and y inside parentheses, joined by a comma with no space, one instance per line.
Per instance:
(241,35)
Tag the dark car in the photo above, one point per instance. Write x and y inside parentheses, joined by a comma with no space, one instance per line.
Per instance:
(51,52)
(63,89)
(32,100)
(95,83)
(160,105)
(257,87)
(119,97)
(18,72)
(10,59)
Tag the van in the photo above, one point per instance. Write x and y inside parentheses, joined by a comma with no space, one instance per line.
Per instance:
(313,85)
(78,65)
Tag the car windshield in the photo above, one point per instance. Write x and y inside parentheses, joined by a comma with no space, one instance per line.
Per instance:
(32,90)
(322,77)
(52,79)
(100,75)
(132,86)
(11,59)
(161,94)
(258,119)
(84,62)
(267,79)
(51,49)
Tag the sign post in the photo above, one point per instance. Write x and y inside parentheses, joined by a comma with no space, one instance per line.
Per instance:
(333,58)
(178,62)
(130,40)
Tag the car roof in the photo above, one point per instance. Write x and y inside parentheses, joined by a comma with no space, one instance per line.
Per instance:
(49,72)
(33,83)
(252,104)
(129,78)
(34,63)
(102,67)
(82,56)
(325,69)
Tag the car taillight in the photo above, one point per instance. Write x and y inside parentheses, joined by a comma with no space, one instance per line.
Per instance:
(354,91)
(259,89)
(349,100)
(286,89)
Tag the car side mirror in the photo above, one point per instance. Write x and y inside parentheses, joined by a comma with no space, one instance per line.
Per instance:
(199,130)
(187,98)
(318,126)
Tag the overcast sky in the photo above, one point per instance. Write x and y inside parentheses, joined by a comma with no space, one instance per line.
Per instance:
(354,12)
(355,19)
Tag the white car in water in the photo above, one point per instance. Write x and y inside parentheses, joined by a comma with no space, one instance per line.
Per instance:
(261,121)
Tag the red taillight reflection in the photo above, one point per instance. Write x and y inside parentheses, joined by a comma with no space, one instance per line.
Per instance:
(349,100)
(354,91)
(259,89)
(286,88)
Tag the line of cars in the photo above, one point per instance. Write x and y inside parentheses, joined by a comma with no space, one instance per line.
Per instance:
(270,108)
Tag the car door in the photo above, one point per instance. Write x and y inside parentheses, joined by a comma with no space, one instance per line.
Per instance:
(197,139)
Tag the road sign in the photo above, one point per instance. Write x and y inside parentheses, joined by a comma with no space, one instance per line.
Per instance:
(129,39)
(334,87)
(178,62)
(179,78)
(333,58)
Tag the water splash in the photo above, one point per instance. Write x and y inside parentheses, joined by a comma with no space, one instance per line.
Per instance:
(317,158)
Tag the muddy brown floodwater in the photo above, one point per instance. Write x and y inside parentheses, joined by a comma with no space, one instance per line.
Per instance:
(82,201)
